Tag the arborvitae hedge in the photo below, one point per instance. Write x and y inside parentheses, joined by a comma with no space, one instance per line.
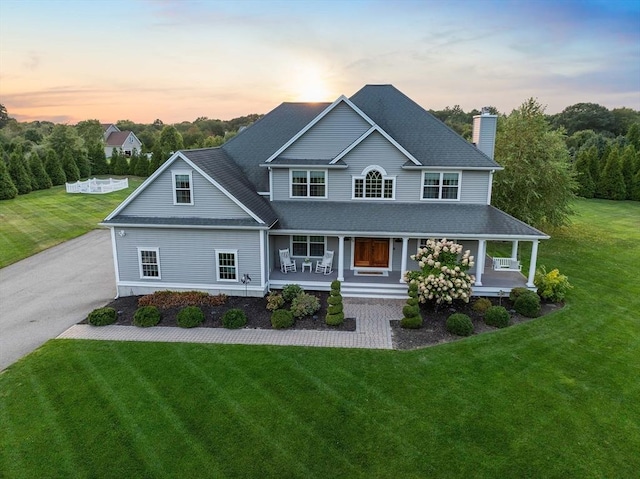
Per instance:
(7,189)
(19,173)
(69,166)
(39,178)
(53,167)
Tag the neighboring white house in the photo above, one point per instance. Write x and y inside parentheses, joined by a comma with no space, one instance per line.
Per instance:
(125,141)
(369,178)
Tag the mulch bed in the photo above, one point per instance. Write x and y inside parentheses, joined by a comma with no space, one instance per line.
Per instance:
(434,331)
(258,317)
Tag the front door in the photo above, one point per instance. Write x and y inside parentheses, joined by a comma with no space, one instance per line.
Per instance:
(371,253)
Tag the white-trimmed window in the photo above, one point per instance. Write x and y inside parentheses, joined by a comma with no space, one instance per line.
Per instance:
(149,263)
(374,183)
(182,187)
(307,246)
(308,183)
(440,185)
(227,265)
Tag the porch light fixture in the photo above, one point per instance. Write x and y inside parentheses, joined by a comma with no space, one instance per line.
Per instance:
(122,233)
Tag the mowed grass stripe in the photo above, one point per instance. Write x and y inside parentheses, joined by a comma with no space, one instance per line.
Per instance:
(256,443)
(41,219)
(198,458)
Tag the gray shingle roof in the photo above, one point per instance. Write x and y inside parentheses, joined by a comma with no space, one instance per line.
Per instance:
(255,144)
(429,140)
(175,221)
(217,164)
(419,219)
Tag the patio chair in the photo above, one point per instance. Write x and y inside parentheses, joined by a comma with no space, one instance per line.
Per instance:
(324,265)
(286,263)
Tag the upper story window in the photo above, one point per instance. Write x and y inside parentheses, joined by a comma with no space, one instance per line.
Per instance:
(182,187)
(308,183)
(440,185)
(374,184)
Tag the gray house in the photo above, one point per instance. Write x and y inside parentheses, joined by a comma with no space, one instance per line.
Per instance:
(367,178)
(125,141)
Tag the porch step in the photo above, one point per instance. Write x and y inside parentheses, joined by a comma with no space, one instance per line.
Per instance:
(373,290)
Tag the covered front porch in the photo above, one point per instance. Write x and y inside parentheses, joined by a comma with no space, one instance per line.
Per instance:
(389,285)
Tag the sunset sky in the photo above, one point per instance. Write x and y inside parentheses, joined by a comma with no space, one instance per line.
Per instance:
(176,60)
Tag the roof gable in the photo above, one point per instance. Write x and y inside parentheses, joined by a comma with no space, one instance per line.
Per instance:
(119,138)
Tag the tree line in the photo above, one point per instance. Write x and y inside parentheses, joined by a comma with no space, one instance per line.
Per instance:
(40,154)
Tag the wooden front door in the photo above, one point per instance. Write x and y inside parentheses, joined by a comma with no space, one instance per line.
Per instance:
(371,253)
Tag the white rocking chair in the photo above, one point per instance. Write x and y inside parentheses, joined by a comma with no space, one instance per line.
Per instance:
(324,265)
(286,263)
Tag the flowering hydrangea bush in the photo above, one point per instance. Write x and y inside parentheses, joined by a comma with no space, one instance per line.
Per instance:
(443,272)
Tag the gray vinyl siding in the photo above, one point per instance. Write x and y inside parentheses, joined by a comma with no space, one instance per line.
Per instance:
(375,150)
(188,256)
(475,187)
(331,135)
(157,199)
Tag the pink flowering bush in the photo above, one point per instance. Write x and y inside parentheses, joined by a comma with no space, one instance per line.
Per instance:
(443,272)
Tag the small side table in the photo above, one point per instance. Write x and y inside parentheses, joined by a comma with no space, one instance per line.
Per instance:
(306,264)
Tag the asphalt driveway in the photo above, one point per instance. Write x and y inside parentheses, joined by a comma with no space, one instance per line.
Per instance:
(42,296)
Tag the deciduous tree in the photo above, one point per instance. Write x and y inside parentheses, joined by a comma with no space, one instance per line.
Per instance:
(536,185)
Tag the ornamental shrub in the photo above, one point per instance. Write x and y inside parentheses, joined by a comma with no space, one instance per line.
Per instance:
(274,301)
(460,324)
(497,316)
(481,305)
(442,276)
(528,304)
(411,317)
(335,308)
(552,286)
(281,319)
(146,316)
(290,291)
(516,292)
(190,317)
(304,305)
(234,319)
(102,316)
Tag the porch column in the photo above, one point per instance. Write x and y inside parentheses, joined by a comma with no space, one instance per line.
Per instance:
(403,263)
(532,265)
(514,249)
(341,258)
(480,258)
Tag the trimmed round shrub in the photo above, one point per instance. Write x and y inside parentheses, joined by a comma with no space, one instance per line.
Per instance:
(497,316)
(146,316)
(516,292)
(334,299)
(410,311)
(335,319)
(335,309)
(234,319)
(304,305)
(481,305)
(102,316)
(413,301)
(281,319)
(190,317)
(460,324)
(291,291)
(413,290)
(528,304)
(411,322)
(335,285)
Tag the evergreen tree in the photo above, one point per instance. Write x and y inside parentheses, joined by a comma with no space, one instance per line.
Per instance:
(635,188)
(611,185)
(39,178)
(69,166)
(633,135)
(156,159)
(98,159)
(586,185)
(142,167)
(628,163)
(7,189)
(119,164)
(18,171)
(84,166)
(54,169)
(133,162)
(537,184)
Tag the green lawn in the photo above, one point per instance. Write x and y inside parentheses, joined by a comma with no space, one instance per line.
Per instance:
(42,219)
(556,397)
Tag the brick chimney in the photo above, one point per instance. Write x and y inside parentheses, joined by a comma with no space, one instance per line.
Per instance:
(484,131)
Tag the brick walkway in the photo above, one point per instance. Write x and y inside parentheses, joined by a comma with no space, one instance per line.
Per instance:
(372,330)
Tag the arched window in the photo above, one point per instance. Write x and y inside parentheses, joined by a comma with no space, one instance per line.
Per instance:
(373,184)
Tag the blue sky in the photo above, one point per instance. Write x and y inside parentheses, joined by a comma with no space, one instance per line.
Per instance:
(177,60)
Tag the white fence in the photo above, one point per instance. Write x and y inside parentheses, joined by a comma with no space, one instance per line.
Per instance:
(97,187)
